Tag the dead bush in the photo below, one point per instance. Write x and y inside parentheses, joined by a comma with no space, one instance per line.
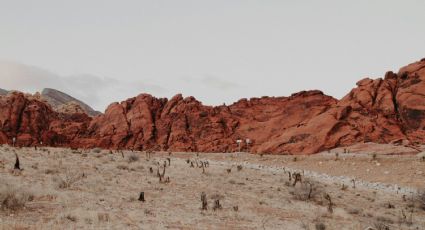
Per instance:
(320,226)
(380,226)
(96,150)
(51,171)
(307,190)
(68,180)
(353,211)
(70,217)
(13,198)
(420,199)
(133,158)
(103,217)
(122,167)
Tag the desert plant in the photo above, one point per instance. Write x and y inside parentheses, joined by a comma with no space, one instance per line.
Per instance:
(122,167)
(378,225)
(13,198)
(308,190)
(404,219)
(320,226)
(297,178)
(17,163)
(133,158)
(203,167)
(239,167)
(330,204)
(217,205)
(204,201)
(142,196)
(68,180)
(96,150)
(103,217)
(419,199)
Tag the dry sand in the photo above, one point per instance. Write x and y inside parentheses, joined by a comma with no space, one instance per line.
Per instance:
(70,189)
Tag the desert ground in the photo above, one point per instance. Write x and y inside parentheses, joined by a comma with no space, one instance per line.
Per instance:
(351,188)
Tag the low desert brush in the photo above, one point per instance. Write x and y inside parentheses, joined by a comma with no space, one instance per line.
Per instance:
(13,198)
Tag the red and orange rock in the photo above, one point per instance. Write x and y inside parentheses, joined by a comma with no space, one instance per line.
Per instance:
(382,110)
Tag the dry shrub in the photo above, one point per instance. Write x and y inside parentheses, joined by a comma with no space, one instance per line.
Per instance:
(320,226)
(71,218)
(51,171)
(68,180)
(380,226)
(420,199)
(96,150)
(13,198)
(133,158)
(122,167)
(103,217)
(307,190)
(353,211)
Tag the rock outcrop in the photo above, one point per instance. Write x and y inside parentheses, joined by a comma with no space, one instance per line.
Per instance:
(384,110)
(389,110)
(33,122)
(62,102)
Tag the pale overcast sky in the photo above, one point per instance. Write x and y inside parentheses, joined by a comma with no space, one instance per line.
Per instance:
(218,51)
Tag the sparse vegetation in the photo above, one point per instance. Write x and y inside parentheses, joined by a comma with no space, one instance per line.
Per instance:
(68,180)
(320,226)
(97,150)
(13,198)
(133,158)
(204,201)
(113,193)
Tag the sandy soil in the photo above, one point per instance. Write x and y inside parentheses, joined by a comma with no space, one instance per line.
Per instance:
(73,189)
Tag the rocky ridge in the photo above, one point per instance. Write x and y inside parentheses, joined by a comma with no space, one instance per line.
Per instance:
(383,110)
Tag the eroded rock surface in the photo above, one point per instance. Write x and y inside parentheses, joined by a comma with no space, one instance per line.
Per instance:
(383,110)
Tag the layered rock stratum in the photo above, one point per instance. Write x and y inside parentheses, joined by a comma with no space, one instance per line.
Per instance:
(383,110)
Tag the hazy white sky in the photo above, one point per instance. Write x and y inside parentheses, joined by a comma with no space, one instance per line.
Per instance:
(218,51)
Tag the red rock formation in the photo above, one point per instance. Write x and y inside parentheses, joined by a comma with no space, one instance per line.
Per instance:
(383,110)
(184,124)
(31,121)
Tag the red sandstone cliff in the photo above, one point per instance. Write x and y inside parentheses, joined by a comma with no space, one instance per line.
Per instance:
(382,110)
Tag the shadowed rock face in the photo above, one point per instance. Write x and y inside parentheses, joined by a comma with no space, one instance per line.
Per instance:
(385,110)
(63,102)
